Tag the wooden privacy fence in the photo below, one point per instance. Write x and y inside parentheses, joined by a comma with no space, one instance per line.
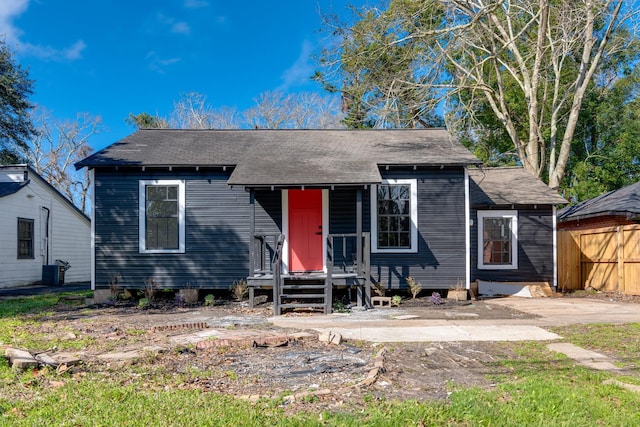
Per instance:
(607,259)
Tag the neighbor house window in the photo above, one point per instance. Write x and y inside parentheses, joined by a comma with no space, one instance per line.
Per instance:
(25,238)
(162,226)
(497,240)
(394,216)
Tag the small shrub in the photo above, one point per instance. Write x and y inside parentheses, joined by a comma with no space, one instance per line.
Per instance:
(114,286)
(414,287)
(150,289)
(459,286)
(340,307)
(240,289)
(179,300)
(396,300)
(143,303)
(379,288)
(210,300)
(435,299)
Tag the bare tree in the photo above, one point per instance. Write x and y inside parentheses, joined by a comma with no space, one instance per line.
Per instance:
(193,112)
(57,146)
(306,110)
(542,53)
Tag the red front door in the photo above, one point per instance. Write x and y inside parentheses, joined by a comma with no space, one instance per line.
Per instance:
(305,230)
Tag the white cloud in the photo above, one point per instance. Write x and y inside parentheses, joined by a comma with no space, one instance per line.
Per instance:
(300,71)
(195,4)
(11,9)
(181,28)
(158,64)
(177,27)
(70,53)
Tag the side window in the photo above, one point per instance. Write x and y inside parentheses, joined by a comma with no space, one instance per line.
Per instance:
(497,240)
(162,220)
(25,238)
(394,215)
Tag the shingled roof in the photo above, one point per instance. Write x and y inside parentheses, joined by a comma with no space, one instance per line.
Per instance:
(286,157)
(509,186)
(9,188)
(623,202)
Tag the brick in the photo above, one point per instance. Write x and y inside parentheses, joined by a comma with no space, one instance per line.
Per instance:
(20,359)
(381,301)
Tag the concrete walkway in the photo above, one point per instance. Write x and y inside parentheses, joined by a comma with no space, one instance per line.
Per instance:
(388,325)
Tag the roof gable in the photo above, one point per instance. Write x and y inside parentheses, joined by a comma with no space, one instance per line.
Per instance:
(11,187)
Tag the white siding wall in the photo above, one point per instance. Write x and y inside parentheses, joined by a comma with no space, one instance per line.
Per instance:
(69,236)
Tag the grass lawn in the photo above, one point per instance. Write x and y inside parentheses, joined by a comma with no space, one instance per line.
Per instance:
(536,387)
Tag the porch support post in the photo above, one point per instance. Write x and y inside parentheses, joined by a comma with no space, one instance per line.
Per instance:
(360,261)
(252,233)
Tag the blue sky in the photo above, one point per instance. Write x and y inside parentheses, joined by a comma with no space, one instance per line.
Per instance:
(110,58)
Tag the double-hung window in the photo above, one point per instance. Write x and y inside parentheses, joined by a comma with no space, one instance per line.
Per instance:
(25,238)
(162,218)
(497,240)
(394,216)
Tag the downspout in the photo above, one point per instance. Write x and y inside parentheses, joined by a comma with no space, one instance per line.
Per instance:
(467,229)
(46,236)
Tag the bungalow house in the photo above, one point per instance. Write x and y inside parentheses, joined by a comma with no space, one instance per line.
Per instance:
(600,242)
(302,211)
(38,226)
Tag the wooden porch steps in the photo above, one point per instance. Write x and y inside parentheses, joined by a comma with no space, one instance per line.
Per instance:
(301,305)
(301,296)
(303,292)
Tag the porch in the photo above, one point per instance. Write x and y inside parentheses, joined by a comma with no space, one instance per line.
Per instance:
(347,265)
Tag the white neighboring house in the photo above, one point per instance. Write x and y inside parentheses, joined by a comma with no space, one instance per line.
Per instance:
(38,226)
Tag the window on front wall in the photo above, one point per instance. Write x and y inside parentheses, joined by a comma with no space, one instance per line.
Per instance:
(25,238)
(162,226)
(497,240)
(394,216)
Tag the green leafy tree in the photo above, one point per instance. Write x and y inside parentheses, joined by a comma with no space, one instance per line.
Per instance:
(145,121)
(16,128)
(376,67)
(606,151)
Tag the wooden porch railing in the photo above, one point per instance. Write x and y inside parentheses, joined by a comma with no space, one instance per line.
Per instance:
(264,252)
(276,266)
(349,253)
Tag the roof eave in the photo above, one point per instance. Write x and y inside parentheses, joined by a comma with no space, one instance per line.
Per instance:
(631,216)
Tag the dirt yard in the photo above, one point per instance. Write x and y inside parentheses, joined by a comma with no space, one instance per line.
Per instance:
(232,349)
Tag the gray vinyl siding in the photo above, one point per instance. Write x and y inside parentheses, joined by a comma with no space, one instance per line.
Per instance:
(218,221)
(535,247)
(216,233)
(440,260)
(268,214)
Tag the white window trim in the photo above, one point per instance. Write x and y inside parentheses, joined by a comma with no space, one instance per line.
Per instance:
(142,216)
(513,215)
(413,185)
